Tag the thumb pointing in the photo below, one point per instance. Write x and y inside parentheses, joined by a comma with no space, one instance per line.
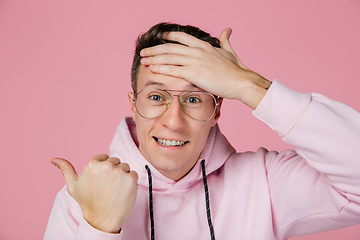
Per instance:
(68,171)
(225,44)
(224,40)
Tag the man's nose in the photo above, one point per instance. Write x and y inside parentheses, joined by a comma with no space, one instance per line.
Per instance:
(174,116)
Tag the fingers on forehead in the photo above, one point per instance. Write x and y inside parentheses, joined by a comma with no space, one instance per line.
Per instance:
(168,48)
(183,38)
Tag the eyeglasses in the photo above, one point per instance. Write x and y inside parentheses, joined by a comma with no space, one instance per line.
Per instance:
(199,105)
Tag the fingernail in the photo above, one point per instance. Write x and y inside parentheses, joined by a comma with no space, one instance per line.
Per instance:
(143,60)
(142,52)
(53,161)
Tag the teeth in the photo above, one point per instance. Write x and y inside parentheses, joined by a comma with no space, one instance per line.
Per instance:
(169,143)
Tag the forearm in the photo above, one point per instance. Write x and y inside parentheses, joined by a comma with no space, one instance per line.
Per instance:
(320,182)
(324,132)
(251,88)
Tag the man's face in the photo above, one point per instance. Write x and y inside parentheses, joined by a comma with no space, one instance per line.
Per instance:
(172,161)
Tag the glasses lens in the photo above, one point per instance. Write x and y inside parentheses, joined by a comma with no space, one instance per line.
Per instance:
(151,103)
(199,105)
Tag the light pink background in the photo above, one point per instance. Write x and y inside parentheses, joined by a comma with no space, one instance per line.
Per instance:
(64,75)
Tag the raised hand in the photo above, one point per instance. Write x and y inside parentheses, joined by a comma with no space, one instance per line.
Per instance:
(215,70)
(106,190)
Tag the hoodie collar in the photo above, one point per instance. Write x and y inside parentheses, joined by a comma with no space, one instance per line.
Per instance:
(125,146)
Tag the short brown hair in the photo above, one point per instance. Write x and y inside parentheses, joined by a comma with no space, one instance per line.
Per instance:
(153,37)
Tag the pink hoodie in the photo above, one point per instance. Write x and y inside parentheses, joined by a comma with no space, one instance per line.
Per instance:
(253,195)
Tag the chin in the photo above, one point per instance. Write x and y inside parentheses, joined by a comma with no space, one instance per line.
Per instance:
(171,168)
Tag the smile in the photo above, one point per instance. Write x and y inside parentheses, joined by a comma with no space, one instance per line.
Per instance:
(169,143)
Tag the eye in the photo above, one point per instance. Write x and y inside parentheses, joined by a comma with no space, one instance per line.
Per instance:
(193,100)
(156,98)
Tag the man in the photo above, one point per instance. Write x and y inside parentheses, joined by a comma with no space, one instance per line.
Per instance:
(173,175)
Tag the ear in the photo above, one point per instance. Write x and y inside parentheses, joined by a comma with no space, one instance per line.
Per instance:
(132,105)
(218,110)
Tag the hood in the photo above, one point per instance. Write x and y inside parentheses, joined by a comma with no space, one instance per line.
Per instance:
(124,146)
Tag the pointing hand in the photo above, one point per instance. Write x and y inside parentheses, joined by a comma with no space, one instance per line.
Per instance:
(106,190)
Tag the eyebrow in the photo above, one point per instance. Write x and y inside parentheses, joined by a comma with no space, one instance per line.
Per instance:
(160,84)
(153,83)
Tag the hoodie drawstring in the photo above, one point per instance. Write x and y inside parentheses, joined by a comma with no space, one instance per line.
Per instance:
(151,203)
(207,200)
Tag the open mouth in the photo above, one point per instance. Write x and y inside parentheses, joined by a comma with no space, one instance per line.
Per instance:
(169,143)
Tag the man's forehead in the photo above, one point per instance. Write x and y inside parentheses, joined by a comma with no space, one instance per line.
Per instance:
(169,85)
(148,79)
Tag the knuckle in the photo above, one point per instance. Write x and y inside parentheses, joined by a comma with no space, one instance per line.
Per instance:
(129,177)
(120,171)
(92,163)
(113,160)
(125,165)
(205,45)
(101,157)
(199,51)
(108,165)
(172,69)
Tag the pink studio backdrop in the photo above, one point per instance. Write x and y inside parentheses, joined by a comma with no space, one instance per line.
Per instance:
(64,76)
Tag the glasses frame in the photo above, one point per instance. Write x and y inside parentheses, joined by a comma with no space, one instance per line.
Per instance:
(180,102)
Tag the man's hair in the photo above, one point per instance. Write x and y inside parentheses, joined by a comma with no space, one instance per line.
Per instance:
(154,36)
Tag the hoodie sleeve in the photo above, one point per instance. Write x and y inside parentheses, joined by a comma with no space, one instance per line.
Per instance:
(317,187)
(66,222)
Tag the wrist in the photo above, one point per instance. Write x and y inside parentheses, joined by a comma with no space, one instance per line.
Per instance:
(253,89)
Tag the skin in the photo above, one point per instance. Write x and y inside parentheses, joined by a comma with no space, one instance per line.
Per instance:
(106,189)
(173,162)
(206,67)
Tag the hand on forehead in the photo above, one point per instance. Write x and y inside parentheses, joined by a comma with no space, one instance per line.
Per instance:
(172,48)
(195,61)
(216,70)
